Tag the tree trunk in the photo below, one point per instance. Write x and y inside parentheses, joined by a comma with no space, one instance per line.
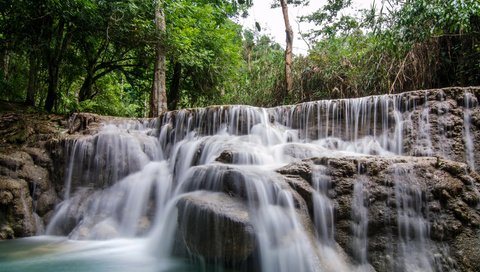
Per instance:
(60,38)
(32,79)
(158,95)
(249,58)
(174,94)
(288,49)
(86,89)
(5,64)
(52,87)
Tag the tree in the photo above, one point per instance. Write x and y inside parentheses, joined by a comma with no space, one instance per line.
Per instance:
(75,54)
(114,39)
(262,81)
(329,22)
(289,42)
(15,33)
(288,49)
(204,52)
(158,95)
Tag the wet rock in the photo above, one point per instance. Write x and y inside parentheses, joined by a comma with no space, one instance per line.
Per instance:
(225,157)
(216,226)
(302,169)
(83,122)
(447,203)
(303,189)
(471,198)
(16,218)
(466,250)
(10,163)
(40,156)
(37,177)
(45,201)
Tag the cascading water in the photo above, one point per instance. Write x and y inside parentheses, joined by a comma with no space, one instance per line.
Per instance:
(360,222)
(323,207)
(412,251)
(470,100)
(151,182)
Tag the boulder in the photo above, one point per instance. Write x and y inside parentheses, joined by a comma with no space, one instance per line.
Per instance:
(21,165)
(216,226)
(16,217)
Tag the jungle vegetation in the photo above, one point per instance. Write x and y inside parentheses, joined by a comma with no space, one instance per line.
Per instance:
(104,56)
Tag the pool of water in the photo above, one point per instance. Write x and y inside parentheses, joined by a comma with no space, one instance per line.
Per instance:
(49,253)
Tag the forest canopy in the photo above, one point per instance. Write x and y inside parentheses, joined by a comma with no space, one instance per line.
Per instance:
(98,55)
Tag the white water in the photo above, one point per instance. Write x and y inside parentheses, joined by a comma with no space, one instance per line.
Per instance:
(470,100)
(123,183)
(360,221)
(323,207)
(413,249)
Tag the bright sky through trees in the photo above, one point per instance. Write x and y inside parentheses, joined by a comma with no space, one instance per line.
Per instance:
(271,20)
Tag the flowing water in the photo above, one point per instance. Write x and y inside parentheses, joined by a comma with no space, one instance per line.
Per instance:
(413,254)
(122,186)
(470,100)
(360,221)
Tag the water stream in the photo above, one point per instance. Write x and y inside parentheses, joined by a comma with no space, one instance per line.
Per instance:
(122,186)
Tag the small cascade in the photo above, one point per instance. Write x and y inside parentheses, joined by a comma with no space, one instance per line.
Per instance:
(413,229)
(360,222)
(113,176)
(323,207)
(29,221)
(469,102)
(283,243)
(323,215)
(109,155)
(124,209)
(424,140)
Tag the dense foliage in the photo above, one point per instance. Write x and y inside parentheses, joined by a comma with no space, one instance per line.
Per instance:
(97,55)
(400,46)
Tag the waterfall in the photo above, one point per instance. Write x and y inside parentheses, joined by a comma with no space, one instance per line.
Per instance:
(470,100)
(182,183)
(413,253)
(360,221)
(323,207)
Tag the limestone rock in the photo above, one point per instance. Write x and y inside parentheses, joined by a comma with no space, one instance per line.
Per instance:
(16,218)
(225,157)
(466,250)
(449,204)
(40,156)
(216,226)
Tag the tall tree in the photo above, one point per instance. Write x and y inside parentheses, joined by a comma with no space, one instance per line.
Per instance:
(158,95)
(59,39)
(288,49)
(289,41)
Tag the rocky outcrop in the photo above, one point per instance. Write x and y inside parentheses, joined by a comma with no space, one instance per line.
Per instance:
(398,193)
(26,177)
(16,218)
(216,226)
(425,206)
(27,196)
